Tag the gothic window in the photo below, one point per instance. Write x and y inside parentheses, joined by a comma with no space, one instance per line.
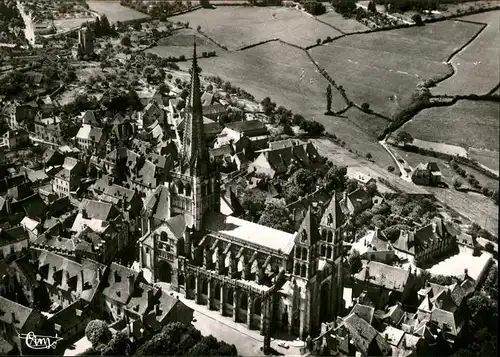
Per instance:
(257,310)
(209,188)
(323,234)
(230,294)
(297,252)
(204,286)
(244,300)
(323,250)
(188,190)
(297,269)
(330,219)
(303,271)
(330,236)
(181,188)
(217,291)
(203,189)
(329,252)
(304,254)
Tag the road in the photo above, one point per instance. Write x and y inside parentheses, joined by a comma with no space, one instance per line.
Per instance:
(29,32)
(404,174)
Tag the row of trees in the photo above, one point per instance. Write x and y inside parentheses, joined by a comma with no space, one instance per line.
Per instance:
(314,7)
(285,117)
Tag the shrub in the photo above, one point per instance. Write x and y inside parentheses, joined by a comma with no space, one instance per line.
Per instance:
(365,107)
(369,156)
(97,332)
(390,168)
(318,41)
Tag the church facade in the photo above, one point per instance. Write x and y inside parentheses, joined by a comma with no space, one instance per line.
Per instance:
(262,277)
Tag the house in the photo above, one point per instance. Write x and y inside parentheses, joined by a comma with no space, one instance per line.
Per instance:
(119,285)
(17,320)
(357,201)
(278,159)
(213,111)
(22,273)
(66,281)
(374,246)
(385,284)
(16,138)
(90,137)
(32,227)
(362,179)
(13,242)
(236,130)
(354,335)
(71,321)
(52,157)
(20,115)
(427,174)
(428,242)
(101,230)
(44,28)
(48,127)
(122,129)
(67,180)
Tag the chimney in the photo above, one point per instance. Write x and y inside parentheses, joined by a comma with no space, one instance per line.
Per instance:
(150,296)
(157,309)
(386,336)
(13,317)
(466,272)
(345,195)
(82,278)
(131,283)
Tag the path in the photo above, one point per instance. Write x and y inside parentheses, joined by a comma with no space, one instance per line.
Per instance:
(29,33)
(404,175)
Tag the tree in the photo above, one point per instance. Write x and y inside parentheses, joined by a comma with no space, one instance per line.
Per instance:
(390,168)
(301,182)
(457,182)
(371,6)
(125,41)
(403,137)
(328,99)
(417,19)
(392,232)
(276,216)
(335,178)
(118,346)
(354,260)
(365,107)
(344,7)
(97,332)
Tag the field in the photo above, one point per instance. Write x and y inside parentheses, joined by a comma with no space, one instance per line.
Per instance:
(181,43)
(383,68)
(68,24)
(485,157)
(337,21)
(260,71)
(466,124)
(115,12)
(237,27)
(477,69)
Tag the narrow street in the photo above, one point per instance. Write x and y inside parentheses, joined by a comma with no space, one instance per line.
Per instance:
(29,32)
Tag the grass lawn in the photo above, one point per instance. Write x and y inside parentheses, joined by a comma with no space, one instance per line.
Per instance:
(115,12)
(181,43)
(455,265)
(236,27)
(383,68)
(466,123)
(344,25)
(486,157)
(67,24)
(477,68)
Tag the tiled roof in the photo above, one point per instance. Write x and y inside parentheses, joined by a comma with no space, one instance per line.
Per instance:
(99,210)
(359,198)
(446,320)
(394,335)
(159,203)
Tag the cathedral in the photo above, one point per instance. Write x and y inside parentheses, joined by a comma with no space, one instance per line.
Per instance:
(259,276)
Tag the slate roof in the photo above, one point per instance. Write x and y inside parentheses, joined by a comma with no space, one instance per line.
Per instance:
(245,126)
(10,309)
(389,277)
(364,311)
(446,320)
(12,235)
(117,284)
(99,210)
(337,216)
(71,316)
(158,203)
(365,338)
(308,233)
(359,198)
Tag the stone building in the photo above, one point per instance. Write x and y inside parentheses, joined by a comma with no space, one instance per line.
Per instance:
(259,276)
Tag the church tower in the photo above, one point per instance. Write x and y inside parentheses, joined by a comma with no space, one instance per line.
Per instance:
(195,186)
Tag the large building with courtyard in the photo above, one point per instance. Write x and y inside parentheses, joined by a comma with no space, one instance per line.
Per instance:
(270,280)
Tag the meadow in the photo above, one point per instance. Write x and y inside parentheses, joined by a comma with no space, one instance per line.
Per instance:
(237,27)
(476,66)
(344,25)
(115,12)
(383,68)
(466,123)
(181,43)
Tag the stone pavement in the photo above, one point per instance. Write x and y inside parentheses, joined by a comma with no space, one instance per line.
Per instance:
(295,345)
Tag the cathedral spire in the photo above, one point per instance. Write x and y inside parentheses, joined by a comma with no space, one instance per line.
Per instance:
(195,157)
